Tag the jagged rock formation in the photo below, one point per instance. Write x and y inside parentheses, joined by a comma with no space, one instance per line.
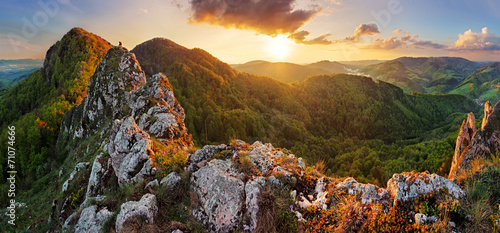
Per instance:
(121,114)
(479,144)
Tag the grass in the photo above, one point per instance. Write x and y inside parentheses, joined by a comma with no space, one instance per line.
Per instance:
(275,210)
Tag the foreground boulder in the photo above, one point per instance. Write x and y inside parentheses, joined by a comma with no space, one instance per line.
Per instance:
(146,209)
(409,185)
(91,220)
(221,195)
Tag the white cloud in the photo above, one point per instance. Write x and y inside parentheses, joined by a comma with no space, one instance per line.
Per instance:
(477,41)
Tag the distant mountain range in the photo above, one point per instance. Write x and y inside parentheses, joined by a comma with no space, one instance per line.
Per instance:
(435,75)
(13,71)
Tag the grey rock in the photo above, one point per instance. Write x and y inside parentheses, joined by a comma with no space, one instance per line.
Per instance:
(171,180)
(409,185)
(420,219)
(369,193)
(130,151)
(301,163)
(205,153)
(146,208)
(77,168)
(432,219)
(101,171)
(221,195)
(91,220)
(252,191)
(153,184)
(484,142)
(177,231)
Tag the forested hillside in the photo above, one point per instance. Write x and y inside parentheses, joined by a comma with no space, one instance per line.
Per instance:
(484,84)
(327,119)
(37,104)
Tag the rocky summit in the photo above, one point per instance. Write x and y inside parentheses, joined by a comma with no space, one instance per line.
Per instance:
(472,144)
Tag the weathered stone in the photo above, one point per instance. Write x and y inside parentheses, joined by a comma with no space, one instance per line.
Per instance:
(221,196)
(261,161)
(146,209)
(321,193)
(153,184)
(464,139)
(78,167)
(252,191)
(301,163)
(101,172)
(483,143)
(488,110)
(130,151)
(369,193)
(91,220)
(420,219)
(205,153)
(409,185)
(171,180)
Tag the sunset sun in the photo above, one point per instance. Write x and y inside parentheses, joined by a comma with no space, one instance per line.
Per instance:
(279,47)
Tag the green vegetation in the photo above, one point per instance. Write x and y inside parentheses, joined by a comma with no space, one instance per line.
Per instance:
(37,104)
(358,127)
(484,84)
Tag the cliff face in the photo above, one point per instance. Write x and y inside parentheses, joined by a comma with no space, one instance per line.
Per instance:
(473,144)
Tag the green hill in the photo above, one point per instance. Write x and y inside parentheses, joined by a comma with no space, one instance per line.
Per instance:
(37,104)
(423,74)
(484,84)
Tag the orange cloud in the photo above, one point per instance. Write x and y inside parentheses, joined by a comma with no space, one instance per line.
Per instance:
(264,16)
(300,37)
(363,30)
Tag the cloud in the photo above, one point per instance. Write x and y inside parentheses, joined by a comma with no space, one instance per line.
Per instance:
(264,16)
(386,44)
(402,39)
(300,38)
(484,40)
(363,30)
(430,44)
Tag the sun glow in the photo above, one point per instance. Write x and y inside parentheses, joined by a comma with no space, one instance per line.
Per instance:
(279,47)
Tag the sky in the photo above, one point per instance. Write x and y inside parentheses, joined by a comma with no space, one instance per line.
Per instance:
(238,31)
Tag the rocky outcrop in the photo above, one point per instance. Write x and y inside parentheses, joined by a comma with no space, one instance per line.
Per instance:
(464,138)
(369,193)
(221,195)
(131,151)
(146,209)
(171,180)
(117,121)
(488,110)
(483,143)
(252,192)
(408,185)
(78,168)
(91,220)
